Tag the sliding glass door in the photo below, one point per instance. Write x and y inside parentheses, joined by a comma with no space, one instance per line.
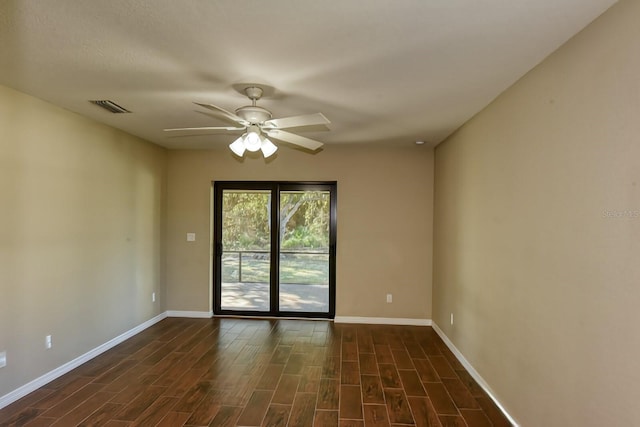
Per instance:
(275,248)
(246,250)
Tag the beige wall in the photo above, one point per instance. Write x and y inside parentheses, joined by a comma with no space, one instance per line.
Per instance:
(384,223)
(537,234)
(80,235)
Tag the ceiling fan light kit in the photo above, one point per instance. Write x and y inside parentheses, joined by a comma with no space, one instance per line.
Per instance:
(257,123)
(268,148)
(253,141)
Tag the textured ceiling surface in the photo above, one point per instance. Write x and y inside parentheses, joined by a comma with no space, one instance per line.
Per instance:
(382,71)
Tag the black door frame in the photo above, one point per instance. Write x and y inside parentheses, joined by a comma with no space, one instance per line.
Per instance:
(275,187)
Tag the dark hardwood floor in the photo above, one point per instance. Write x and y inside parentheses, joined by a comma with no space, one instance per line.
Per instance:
(253,372)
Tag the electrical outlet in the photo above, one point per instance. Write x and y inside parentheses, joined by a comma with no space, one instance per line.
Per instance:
(3,359)
(452,318)
(389,298)
(153,297)
(191,237)
(47,341)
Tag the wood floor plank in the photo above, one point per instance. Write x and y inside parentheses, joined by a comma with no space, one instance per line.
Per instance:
(29,401)
(368,364)
(185,382)
(226,416)
(398,406)
(271,377)
(350,373)
(286,390)
(402,359)
(115,372)
(429,347)
(303,410)
(378,336)
(350,402)
(329,394)
(424,414)
(389,376)
(37,422)
(294,364)
(102,415)
(442,367)
(155,412)
(23,416)
(411,382)
(137,374)
(452,421)
(383,353)
(365,342)
(129,393)
(204,412)
(174,419)
(140,404)
(460,394)
(331,367)
(310,379)
(118,423)
(193,397)
(372,389)
(52,399)
(277,416)
(451,358)
(376,416)
(394,339)
(426,371)
(475,418)
(349,334)
(415,351)
(84,410)
(349,351)
(471,384)
(73,401)
(256,409)
(440,399)
(319,338)
(325,419)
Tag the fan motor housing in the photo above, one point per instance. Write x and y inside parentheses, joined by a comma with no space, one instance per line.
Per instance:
(254,114)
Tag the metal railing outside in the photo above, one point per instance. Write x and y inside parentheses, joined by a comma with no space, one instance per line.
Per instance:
(242,253)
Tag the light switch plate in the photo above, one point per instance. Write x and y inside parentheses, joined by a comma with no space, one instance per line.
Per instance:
(191,237)
(3,359)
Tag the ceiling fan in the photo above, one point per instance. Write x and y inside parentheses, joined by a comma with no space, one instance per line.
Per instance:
(257,124)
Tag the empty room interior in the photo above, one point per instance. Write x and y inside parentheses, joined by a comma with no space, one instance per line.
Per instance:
(478,165)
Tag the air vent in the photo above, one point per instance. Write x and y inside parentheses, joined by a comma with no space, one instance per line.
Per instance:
(110,106)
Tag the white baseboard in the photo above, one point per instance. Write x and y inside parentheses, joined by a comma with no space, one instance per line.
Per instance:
(383,321)
(20,392)
(191,314)
(476,376)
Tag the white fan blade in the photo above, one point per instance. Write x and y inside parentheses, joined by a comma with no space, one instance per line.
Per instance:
(228,115)
(298,121)
(205,128)
(294,139)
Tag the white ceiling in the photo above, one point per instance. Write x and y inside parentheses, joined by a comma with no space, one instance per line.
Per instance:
(383,71)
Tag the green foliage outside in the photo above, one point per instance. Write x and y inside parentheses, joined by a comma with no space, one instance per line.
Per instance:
(304,217)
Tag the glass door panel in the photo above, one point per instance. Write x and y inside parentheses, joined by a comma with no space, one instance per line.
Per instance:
(304,251)
(246,250)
